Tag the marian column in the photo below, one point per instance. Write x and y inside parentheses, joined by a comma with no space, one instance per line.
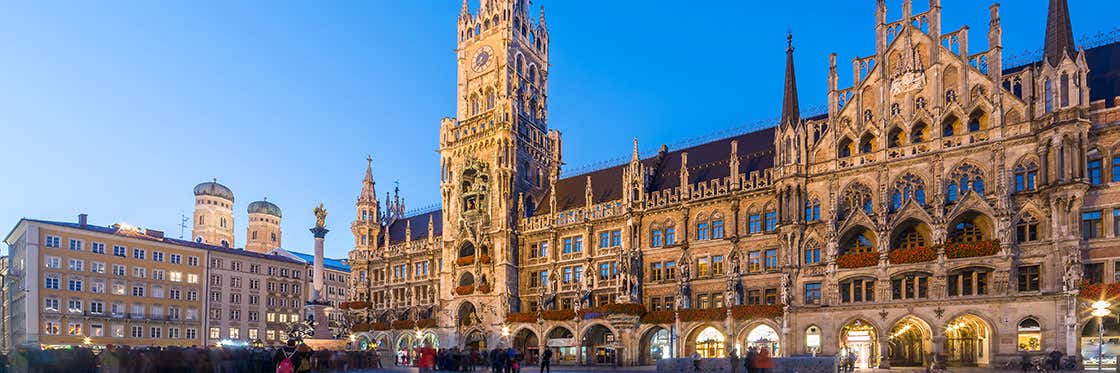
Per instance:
(315,310)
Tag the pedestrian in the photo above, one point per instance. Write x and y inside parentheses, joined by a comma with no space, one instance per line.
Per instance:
(1055,360)
(695,360)
(546,361)
(748,360)
(763,363)
(427,358)
(733,359)
(495,362)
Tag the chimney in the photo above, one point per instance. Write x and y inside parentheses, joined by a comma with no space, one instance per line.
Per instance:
(82,220)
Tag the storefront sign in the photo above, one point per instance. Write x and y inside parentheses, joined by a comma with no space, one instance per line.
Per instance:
(561,342)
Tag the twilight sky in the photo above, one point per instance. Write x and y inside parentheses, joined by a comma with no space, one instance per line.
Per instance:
(118,108)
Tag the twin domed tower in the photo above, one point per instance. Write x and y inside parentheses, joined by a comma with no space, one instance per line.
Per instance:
(213,219)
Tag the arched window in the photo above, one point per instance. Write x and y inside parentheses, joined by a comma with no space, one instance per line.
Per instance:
(1064,90)
(533,74)
(812,252)
(846,148)
(1048,94)
(911,285)
(969,228)
(895,138)
(1026,229)
(857,290)
(967,177)
(867,143)
(702,227)
(717,226)
(856,197)
(813,210)
(489,99)
(950,126)
(919,133)
(1026,175)
(906,188)
(656,237)
(858,241)
(254,235)
(273,236)
(911,235)
(520,64)
(977,120)
(1029,336)
(474,105)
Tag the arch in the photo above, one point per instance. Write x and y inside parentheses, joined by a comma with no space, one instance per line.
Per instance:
(964,178)
(859,338)
(919,132)
(970,226)
(867,143)
(466,249)
(707,340)
(598,341)
(845,148)
(895,137)
(561,341)
(858,239)
(1028,334)
(760,335)
(856,196)
(467,314)
(911,233)
(466,279)
(655,344)
(474,340)
(909,342)
(526,341)
(1025,173)
(977,120)
(968,340)
(1028,227)
(906,188)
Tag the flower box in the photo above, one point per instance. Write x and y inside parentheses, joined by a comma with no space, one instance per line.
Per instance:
(957,250)
(858,260)
(912,255)
(521,317)
(379,326)
(710,314)
(403,324)
(1094,292)
(484,288)
(756,311)
(485,259)
(465,290)
(558,315)
(426,324)
(363,327)
(465,261)
(657,317)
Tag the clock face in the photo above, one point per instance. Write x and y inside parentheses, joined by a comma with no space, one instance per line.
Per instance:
(482,59)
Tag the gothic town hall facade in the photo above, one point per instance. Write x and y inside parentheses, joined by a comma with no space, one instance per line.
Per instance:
(945,203)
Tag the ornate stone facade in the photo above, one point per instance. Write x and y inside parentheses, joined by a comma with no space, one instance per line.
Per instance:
(943,204)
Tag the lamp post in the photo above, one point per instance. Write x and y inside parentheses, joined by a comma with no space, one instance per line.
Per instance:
(1100,310)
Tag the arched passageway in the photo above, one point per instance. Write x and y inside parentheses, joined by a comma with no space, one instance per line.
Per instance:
(527,342)
(655,345)
(475,341)
(759,337)
(909,343)
(859,342)
(710,343)
(967,341)
(1091,348)
(599,346)
(563,345)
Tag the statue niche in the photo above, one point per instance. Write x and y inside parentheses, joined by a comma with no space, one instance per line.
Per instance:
(474,189)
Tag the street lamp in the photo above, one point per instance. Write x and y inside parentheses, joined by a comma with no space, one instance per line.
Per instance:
(1100,310)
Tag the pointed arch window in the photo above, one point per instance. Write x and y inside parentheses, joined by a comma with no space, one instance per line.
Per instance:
(856,197)
(1026,229)
(919,133)
(1048,95)
(717,226)
(812,253)
(895,138)
(966,178)
(846,148)
(867,143)
(906,188)
(1026,175)
(813,210)
(702,232)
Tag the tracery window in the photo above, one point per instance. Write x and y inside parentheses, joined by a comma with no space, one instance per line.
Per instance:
(856,197)
(1026,176)
(846,148)
(919,133)
(967,177)
(1026,229)
(895,138)
(906,188)
(867,144)
(813,210)
(966,231)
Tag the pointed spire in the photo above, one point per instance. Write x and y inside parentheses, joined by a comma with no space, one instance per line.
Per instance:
(588,195)
(1059,33)
(634,156)
(369,192)
(466,12)
(542,24)
(791,113)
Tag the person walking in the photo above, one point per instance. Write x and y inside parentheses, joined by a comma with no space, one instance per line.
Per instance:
(748,362)
(546,361)
(427,358)
(695,361)
(733,359)
(763,363)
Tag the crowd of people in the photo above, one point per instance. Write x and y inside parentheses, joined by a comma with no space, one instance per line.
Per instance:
(499,360)
(194,359)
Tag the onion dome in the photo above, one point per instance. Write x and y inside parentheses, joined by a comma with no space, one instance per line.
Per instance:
(213,189)
(264,207)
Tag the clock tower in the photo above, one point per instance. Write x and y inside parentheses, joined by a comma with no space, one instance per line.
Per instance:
(498,156)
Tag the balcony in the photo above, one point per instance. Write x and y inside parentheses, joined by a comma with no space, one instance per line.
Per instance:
(912,255)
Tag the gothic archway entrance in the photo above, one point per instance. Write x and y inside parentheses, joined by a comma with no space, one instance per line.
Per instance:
(759,337)
(710,343)
(598,346)
(404,350)
(1090,343)
(967,338)
(858,342)
(909,343)
(655,345)
(562,343)
(527,342)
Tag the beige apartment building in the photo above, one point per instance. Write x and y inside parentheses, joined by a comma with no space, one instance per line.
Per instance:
(252,297)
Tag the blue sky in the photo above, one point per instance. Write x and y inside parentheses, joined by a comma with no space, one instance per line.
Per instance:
(118,108)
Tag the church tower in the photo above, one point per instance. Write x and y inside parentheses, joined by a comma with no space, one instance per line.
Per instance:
(497,156)
(367,226)
(264,227)
(213,214)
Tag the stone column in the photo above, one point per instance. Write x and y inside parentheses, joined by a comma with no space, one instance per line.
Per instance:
(317,284)
(316,308)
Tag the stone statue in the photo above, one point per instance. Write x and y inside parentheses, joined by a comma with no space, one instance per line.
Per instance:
(730,295)
(1072,278)
(320,216)
(734,261)
(786,291)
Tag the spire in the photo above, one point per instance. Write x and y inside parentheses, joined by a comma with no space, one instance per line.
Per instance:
(542,24)
(1059,33)
(634,156)
(466,12)
(791,113)
(369,193)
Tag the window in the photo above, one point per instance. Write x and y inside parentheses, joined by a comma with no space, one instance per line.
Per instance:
(910,286)
(138,290)
(812,253)
(158,274)
(966,282)
(53,262)
(908,188)
(1116,222)
(573,245)
(176,259)
(670,236)
(754,261)
(192,261)
(1091,225)
(1093,171)
(856,197)
(215,333)
(771,221)
(1116,166)
(136,331)
(1029,336)
(703,265)
(857,290)
(97,248)
(1094,272)
(118,251)
(771,256)
(604,239)
(138,254)
(702,231)
(655,273)
(1026,176)
(717,229)
(52,327)
(655,239)
(138,272)
(119,270)
(75,284)
(1028,279)
(754,223)
(670,270)
(616,238)
(813,293)
(813,210)
(96,330)
(607,271)
(1026,230)
(192,278)
(51,304)
(964,179)
(75,245)
(97,267)
(717,265)
(53,241)
(176,276)
(157,256)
